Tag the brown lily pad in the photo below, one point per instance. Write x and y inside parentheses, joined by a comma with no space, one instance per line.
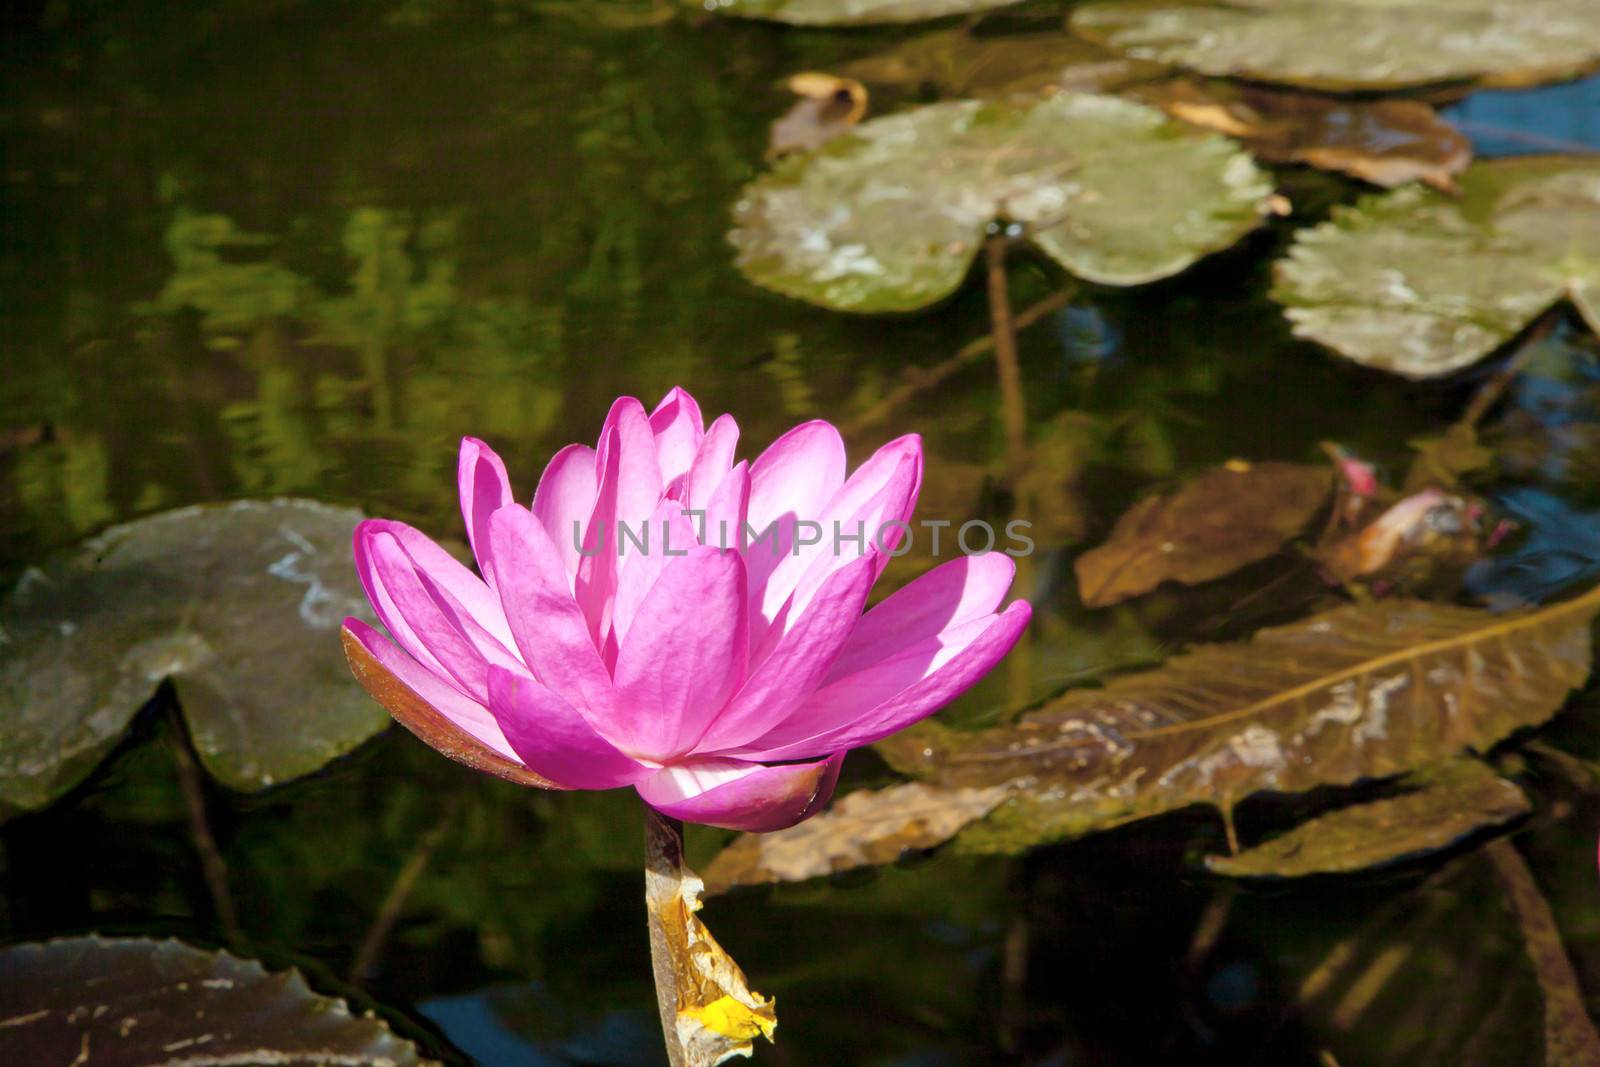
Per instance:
(1230,516)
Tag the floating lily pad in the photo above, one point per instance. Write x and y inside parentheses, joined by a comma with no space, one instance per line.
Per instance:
(1421,284)
(239,604)
(1228,517)
(1358,45)
(1464,798)
(890,216)
(850,12)
(131,1002)
(1364,691)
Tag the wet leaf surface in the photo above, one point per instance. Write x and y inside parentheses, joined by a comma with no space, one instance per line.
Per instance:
(716,1014)
(1459,800)
(134,1002)
(851,12)
(961,64)
(239,604)
(1385,142)
(890,216)
(868,828)
(1419,284)
(1363,691)
(1228,517)
(1362,45)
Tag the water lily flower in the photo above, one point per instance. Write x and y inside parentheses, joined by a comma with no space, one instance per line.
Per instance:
(626,632)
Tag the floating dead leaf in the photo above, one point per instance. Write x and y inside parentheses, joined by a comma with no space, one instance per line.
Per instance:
(1444,459)
(889,216)
(1385,142)
(1420,284)
(865,829)
(850,12)
(960,64)
(237,604)
(1460,799)
(828,106)
(716,1015)
(1363,691)
(132,1002)
(1358,45)
(1228,517)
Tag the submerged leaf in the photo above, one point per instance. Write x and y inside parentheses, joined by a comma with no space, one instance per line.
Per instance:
(128,1002)
(1385,142)
(890,216)
(850,12)
(237,603)
(1350,45)
(716,1014)
(1228,517)
(1363,691)
(1462,799)
(1419,284)
(865,829)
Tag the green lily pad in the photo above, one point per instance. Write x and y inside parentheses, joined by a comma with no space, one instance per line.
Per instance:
(1358,45)
(890,216)
(1462,799)
(122,1002)
(850,12)
(239,604)
(1422,284)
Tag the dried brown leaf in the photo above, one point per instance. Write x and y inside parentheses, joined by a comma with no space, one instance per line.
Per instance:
(864,829)
(1228,517)
(828,106)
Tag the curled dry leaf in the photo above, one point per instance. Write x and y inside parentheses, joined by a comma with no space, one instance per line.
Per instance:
(1420,284)
(828,106)
(1357,45)
(715,1014)
(1385,142)
(1228,517)
(1363,691)
(1425,541)
(236,603)
(135,1002)
(1460,799)
(865,829)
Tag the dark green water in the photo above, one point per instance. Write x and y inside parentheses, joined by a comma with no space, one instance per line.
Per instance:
(289,248)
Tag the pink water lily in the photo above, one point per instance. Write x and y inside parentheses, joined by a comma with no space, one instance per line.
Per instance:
(722,676)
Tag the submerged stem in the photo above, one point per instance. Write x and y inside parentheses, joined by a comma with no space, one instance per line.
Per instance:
(1013,410)
(212,865)
(663,863)
(389,912)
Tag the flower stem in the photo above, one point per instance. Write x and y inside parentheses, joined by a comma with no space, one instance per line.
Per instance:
(663,863)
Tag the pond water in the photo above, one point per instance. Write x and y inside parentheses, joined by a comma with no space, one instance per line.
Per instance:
(275,247)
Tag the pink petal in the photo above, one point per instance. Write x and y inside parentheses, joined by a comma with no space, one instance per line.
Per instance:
(437,620)
(565,499)
(630,489)
(723,516)
(798,661)
(678,428)
(554,740)
(712,461)
(366,534)
(742,796)
(790,483)
(882,491)
(669,535)
(947,596)
(475,597)
(684,655)
(856,711)
(549,627)
(485,489)
(461,711)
